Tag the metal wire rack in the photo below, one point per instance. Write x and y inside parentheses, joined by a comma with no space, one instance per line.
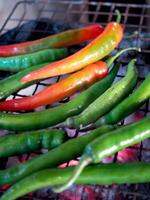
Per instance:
(70,14)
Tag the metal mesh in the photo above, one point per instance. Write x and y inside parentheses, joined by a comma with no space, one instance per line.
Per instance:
(134,18)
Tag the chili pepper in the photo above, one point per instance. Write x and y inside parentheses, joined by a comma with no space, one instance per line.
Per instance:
(108,144)
(53,116)
(128,105)
(12,84)
(106,101)
(64,88)
(28,142)
(60,90)
(94,51)
(63,39)
(65,152)
(17,63)
(115,173)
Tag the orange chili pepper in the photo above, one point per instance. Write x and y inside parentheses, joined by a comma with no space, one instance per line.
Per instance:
(94,51)
(60,90)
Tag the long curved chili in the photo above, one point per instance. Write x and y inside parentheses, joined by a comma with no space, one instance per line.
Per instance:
(65,152)
(18,63)
(108,144)
(12,83)
(94,51)
(63,39)
(114,173)
(64,88)
(128,105)
(53,116)
(60,90)
(16,144)
(106,101)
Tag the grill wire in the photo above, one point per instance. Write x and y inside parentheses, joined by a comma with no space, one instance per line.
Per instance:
(69,14)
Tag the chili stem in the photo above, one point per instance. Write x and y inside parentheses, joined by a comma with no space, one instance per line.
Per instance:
(85,160)
(118,16)
(110,60)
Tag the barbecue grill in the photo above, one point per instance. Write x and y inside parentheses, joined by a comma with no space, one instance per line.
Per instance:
(55,16)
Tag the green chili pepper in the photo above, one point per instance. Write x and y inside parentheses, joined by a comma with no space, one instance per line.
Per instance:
(127,106)
(106,101)
(53,116)
(17,63)
(28,142)
(115,173)
(65,152)
(12,83)
(108,144)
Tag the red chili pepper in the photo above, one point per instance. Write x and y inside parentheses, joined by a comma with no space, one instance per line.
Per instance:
(94,51)
(60,90)
(63,39)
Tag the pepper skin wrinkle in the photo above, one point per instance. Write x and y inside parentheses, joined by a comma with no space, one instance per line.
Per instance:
(94,51)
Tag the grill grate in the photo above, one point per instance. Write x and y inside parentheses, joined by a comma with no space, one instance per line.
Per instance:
(50,18)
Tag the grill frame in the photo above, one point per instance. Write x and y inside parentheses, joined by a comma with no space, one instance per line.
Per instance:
(71,8)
